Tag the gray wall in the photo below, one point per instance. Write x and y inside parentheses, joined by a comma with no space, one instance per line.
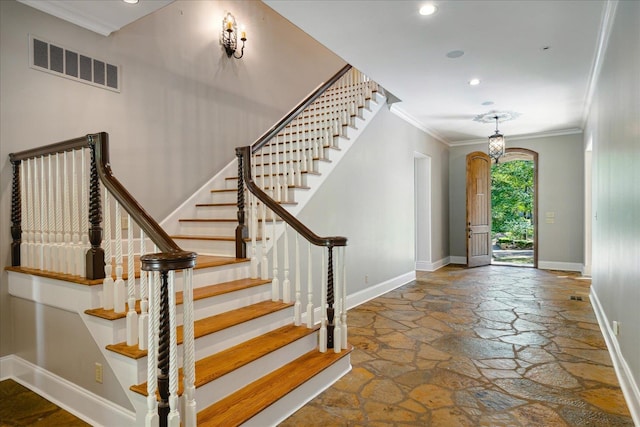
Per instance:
(369,198)
(184,106)
(614,125)
(560,190)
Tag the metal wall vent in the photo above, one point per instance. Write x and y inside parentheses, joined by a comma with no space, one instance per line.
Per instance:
(55,59)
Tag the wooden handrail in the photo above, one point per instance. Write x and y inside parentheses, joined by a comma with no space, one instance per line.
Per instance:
(280,211)
(315,94)
(244,159)
(100,141)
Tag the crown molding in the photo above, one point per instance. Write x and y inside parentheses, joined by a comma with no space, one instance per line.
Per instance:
(416,123)
(606,27)
(562,132)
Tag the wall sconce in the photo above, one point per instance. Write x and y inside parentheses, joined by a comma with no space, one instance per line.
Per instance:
(230,36)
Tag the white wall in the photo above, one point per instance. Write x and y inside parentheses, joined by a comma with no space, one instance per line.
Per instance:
(614,126)
(183,108)
(369,198)
(560,190)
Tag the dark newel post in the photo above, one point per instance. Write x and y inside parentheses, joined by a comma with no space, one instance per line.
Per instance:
(16,215)
(330,297)
(241,230)
(95,255)
(163,350)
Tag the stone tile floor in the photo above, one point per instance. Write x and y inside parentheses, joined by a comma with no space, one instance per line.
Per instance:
(490,346)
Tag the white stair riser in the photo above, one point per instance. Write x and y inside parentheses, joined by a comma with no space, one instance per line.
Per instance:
(217,211)
(233,181)
(277,412)
(208,247)
(115,330)
(224,386)
(210,228)
(224,196)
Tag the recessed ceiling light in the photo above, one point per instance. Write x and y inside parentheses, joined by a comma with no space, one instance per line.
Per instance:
(474,82)
(455,54)
(487,103)
(428,9)
(131,1)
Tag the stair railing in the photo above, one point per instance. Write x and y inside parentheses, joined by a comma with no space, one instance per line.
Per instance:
(61,233)
(278,162)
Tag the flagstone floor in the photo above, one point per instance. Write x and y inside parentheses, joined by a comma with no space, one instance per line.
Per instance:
(490,346)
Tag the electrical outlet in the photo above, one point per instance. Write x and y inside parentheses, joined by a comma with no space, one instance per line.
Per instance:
(98,372)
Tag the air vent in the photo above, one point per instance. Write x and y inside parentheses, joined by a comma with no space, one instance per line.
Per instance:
(69,63)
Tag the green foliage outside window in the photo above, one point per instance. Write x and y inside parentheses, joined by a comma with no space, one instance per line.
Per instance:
(512,203)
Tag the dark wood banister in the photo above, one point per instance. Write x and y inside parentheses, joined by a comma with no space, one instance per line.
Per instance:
(315,94)
(244,156)
(101,142)
(282,212)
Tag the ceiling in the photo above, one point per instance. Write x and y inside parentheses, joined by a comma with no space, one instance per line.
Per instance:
(534,58)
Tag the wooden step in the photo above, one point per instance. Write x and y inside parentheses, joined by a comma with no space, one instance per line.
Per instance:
(215,366)
(198,294)
(250,400)
(210,325)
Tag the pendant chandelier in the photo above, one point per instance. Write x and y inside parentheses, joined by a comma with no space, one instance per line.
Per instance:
(496,144)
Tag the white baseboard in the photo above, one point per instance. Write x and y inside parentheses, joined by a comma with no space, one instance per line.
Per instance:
(458,260)
(82,403)
(628,385)
(432,266)
(374,291)
(563,266)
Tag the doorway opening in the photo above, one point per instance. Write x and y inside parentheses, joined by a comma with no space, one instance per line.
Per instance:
(514,212)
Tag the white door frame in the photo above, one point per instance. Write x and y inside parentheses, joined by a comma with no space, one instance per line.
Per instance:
(422,203)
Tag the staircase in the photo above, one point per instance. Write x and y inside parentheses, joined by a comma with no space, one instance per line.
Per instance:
(255,352)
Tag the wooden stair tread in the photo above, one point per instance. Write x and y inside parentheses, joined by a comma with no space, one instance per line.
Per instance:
(198,294)
(235,204)
(240,406)
(202,261)
(210,325)
(217,365)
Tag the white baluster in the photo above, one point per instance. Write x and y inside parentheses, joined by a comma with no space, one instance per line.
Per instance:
(84,230)
(119,292)
(50,249)
(132,314)
(189,364)
(297,307)
(275,283)
(143,320)
(272,191)
(37,249)
(309,289)
(286,285)
(253,230)
(173,420)
(322,340)
(23,209)
(151,420)
(75,214)
(44,237)
(31,247)
(343,313)
(107,283)
(337,297)
(276,180)
(265,261)
(282,179)
(302,145)
(66,215)
(298,161)
(292,168)
(59,260)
